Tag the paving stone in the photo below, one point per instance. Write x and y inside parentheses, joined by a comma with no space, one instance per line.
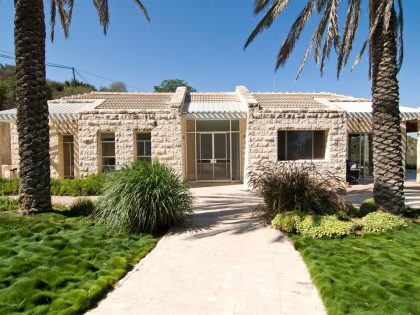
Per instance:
(228,261)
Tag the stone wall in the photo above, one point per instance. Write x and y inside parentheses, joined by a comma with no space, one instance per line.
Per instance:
(264,124)
(164,125)
(57,130)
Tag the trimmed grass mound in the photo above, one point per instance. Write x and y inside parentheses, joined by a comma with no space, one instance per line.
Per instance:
(53,263)
(372,274)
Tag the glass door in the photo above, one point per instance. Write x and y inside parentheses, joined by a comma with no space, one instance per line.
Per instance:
(213,152)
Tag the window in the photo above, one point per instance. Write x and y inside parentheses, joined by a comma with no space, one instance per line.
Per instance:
(302,145)
(108,152)
(68,156)
(144,146)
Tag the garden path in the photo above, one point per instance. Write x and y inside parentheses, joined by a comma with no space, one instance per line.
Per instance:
(227,262)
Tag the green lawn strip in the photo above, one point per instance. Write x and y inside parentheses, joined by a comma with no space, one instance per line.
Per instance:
(50,263)
(372,274)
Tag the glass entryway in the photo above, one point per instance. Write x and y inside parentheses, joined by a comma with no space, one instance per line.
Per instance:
(213,150)
(360,151)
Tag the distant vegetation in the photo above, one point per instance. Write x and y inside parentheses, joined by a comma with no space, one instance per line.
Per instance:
(171,85)
(411,161)
(55,89)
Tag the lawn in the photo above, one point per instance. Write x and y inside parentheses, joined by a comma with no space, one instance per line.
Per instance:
(372,274)
(60,264)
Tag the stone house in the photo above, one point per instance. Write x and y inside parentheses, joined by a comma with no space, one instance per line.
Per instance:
(206,137)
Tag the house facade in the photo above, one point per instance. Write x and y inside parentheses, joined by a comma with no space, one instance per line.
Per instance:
(205,137)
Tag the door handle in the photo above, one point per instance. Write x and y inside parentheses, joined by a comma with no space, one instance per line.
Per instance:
(213,161)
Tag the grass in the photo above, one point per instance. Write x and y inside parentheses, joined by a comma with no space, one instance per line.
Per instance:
(52,263)
(372,274)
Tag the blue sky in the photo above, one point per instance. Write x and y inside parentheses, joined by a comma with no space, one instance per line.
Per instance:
(201,41)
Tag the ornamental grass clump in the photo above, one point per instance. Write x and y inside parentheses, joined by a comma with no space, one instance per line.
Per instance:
(144,197)
(287,186)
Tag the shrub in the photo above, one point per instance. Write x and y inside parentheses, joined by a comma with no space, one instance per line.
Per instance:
(366,207)
(411,213)
(381,221)
(8,204)
(9,187)
(92,185)
(316,226)
(82,207)
(287,221)
(144,197)
(298,186)
(313,225)
(89,186)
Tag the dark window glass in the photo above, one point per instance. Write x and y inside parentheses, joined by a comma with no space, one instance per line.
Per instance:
(281,145)
(144,146)
(108,152)
(301,145)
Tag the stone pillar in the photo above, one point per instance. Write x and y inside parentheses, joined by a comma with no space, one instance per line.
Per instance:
(418,152)
(404,144)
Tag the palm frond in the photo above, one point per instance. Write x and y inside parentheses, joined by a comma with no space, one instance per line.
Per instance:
(349,33)
(102,8)
(261,5)
(268,19)
(400,37)
(332,37)
(65,11)
(294,33)
(142,9)
(320,34)
(317,36)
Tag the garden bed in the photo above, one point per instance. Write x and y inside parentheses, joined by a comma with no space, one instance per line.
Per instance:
(371,274)
(60,264)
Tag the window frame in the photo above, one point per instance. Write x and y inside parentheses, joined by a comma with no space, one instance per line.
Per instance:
(107,168)
(143,143)
(285,148)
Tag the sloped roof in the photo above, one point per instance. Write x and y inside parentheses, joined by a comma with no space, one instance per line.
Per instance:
(212,97)
(128,100)
(294,100)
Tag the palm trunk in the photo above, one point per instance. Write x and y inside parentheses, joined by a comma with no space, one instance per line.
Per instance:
(388,189)
(32,107)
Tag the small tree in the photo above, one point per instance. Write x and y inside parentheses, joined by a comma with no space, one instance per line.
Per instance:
(171,85)
(116,86)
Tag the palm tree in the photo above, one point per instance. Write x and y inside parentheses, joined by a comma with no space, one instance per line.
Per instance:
(31,94)
(385,43)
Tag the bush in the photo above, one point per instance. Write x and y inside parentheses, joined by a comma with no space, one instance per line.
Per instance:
(316,226)
(381,221)
(411,213)
(287,221)
(313,225)
(366,207)
(8,204)
(91,185)
(298,186)
(9,187)
(81,207)
(144,197)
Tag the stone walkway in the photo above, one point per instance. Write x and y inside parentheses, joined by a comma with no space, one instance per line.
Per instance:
(227,262)
(357,193)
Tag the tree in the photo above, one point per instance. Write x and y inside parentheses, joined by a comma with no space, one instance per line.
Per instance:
(117,86)
(31,94)
(171,85)
(385,48)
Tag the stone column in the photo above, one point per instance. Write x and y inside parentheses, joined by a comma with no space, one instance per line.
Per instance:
(418,152)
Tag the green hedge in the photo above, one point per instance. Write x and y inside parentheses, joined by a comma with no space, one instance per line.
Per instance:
(91,185)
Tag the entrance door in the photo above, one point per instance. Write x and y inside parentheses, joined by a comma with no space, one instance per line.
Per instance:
(213,156)
(68,156)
